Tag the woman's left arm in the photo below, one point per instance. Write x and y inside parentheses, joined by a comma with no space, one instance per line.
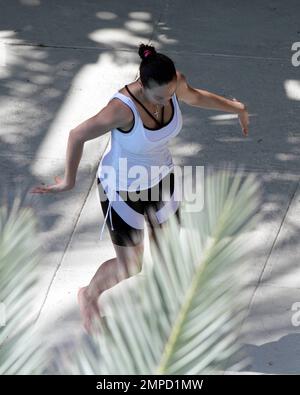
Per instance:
(204,99)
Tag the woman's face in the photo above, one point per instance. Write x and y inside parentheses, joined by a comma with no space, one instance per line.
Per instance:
(160,94)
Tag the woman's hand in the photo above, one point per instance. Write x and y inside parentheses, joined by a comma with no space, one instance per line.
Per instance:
(59,186)
(244,119)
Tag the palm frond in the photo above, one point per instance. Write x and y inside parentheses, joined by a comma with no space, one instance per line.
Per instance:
(20,352)
(185,315)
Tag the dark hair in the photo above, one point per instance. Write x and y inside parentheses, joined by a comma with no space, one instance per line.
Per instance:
(155,66)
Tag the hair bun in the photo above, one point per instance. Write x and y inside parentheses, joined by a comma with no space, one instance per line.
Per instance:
(146,50)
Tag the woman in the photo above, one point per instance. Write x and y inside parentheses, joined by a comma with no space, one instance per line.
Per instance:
(142,117)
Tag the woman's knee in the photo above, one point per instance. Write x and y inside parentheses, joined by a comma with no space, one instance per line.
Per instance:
(130,258)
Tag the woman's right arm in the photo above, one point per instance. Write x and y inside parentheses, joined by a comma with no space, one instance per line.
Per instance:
(113,115)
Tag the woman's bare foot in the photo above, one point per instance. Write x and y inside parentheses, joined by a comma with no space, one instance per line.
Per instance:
(89,309)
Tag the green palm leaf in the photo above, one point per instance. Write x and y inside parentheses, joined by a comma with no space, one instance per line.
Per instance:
(20,353)
(185,315)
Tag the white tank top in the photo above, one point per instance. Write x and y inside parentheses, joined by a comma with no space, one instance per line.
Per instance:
(140,146)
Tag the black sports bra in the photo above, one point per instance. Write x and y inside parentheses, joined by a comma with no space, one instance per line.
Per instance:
(160,124)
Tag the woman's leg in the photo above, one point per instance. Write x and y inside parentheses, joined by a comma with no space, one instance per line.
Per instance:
(152,222)
(127,263)
(129,246)
(152,230)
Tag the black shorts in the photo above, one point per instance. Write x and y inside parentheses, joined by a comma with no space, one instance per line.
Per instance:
(124,234)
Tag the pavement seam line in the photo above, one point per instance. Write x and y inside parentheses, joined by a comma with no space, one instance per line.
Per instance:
(129,50)
(94,172)
(240,330)
(273,244)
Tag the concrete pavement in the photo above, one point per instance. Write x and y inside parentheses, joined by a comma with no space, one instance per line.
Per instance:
(63,62)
